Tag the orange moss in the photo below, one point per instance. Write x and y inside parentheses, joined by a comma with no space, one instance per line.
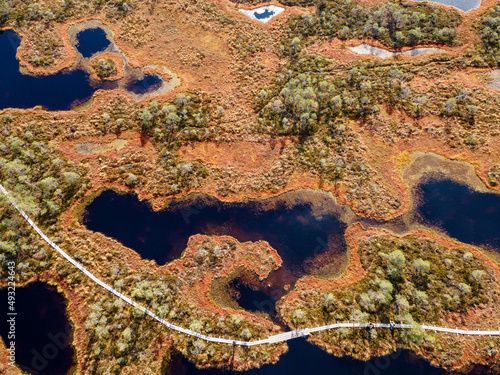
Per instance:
(244,156)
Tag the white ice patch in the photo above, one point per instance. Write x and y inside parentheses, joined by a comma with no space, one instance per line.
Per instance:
(263,14)
(366,49)
(495,79)
(464,5)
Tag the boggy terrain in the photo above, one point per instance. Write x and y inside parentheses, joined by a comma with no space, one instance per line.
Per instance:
(261,109)
(418,277)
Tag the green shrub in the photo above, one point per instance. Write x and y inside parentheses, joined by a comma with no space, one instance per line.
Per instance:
(104,68)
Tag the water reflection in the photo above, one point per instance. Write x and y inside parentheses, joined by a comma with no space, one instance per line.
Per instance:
(464,5)
(366,49)
(60,91)
(467,215)
(293,229)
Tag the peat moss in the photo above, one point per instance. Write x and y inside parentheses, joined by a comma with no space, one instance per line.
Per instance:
(117,335)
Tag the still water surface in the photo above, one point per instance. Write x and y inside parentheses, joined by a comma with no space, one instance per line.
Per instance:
(469,216)
(304,358)
(292,229)
(65,89)
(43,333)
(91,41)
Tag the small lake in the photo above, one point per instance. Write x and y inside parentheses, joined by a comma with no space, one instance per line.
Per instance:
(292,229)
(91,41)
(366,49)
(263,14)
(469,216)
(43,333)
(464,5)
(305,358)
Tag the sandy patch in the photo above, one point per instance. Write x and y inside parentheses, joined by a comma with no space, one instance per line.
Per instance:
(89,148)
(243,156)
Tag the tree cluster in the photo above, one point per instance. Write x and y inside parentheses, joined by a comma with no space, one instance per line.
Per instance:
(394,24)
(307,96)
(42,182)
(187,117)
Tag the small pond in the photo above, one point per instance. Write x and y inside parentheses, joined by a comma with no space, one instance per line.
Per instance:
(43,333)
(469,216)
(291,228)
(91,41)
(464,5)
(150,82)
(366,49)
(256,298)
(264,13)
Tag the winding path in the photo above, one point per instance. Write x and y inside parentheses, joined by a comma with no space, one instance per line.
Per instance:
(270,340)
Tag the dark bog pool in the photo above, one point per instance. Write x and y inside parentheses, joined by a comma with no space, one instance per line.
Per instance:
(60,91)
(305,358)
(292,229)
(149,83)
(256,298)
(91,41)
(467,215)
(42,331)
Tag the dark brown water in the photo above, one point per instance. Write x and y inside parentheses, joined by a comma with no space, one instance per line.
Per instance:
(304,358)
(64,90)
(42,332)
(256,297)
(298,235)
(91,41)
(467,215)
(150,82)
(60,91)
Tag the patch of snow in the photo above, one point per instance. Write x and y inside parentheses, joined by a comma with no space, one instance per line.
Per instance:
(463,5)
(263,14)
(366,49)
